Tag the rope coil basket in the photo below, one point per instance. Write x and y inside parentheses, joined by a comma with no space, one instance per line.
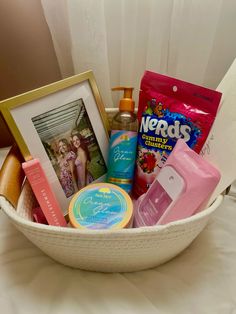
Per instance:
(123,250)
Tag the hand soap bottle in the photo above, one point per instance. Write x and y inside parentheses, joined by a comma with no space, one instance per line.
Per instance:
(123,142)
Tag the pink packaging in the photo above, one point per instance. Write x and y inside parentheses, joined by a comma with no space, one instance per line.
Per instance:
(169,109)
(43,192)
(183,186)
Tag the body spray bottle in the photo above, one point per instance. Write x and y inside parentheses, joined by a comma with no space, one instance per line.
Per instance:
(123,142)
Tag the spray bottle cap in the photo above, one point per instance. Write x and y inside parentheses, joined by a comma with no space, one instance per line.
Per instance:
(126,103)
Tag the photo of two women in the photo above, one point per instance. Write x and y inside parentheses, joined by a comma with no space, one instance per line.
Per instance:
(71,145)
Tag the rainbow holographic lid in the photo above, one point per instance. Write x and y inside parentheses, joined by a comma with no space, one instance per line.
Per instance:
(101,206)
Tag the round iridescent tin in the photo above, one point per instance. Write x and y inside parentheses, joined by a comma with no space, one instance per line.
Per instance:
(101,206)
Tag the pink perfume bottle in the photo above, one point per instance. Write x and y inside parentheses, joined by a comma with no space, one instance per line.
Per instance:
(182,187)
(164,191)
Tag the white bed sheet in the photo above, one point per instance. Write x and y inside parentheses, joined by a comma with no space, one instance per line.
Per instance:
(200,280)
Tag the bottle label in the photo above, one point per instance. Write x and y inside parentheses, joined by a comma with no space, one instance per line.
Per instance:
(121,160)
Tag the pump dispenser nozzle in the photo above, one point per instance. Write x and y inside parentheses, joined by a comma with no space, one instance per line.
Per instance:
(126,103)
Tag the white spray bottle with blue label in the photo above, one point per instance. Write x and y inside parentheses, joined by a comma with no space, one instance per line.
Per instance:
(123,142)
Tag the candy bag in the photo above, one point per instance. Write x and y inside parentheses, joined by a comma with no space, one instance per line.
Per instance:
(169,109)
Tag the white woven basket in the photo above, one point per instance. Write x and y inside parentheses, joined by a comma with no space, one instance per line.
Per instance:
(107,251)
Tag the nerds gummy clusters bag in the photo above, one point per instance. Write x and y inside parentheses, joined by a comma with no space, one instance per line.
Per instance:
(169,109)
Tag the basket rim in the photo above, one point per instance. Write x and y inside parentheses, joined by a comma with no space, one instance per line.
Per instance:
(11,213)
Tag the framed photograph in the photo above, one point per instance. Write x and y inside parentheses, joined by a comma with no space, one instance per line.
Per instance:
(65,126)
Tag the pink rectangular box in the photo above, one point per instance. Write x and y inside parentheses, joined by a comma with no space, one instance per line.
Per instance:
(43,192)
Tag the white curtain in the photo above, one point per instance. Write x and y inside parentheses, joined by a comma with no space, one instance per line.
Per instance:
(192,40)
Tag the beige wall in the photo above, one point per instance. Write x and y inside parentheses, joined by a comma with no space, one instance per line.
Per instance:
(27,56)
